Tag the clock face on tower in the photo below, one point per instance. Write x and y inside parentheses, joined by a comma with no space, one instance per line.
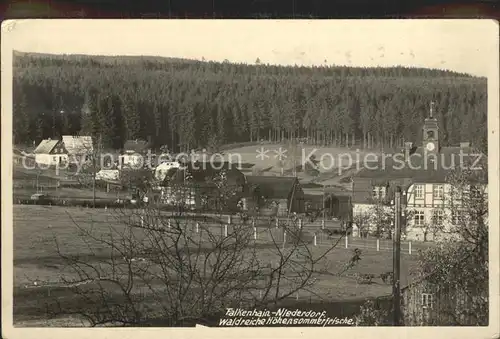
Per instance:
(430,146)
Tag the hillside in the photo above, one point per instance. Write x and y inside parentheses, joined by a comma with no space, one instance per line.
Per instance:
(187,104)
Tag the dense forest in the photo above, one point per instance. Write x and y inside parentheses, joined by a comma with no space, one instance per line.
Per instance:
(186,104)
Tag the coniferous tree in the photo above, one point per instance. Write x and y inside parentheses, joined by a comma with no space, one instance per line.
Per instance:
(330,105)
(89,114)
(21,119)
(131,119)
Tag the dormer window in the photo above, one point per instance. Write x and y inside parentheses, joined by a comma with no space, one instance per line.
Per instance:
(430,135)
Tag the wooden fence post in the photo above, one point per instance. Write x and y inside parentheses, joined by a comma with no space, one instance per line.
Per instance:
(284,238)
(255,233)
(277,222)
(197,227)
(300,223)
(378,244)
(346,241)
(409,247)
(225,230)
(315,240)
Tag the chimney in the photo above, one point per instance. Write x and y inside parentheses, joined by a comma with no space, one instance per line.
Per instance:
(465,144)
(408,147)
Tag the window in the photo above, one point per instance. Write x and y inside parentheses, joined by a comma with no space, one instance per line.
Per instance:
(438,216)
(419,218)
(438,191)
(455,194)
(457,217)
(419,192)
(378,192)
(427,301)
(475,192)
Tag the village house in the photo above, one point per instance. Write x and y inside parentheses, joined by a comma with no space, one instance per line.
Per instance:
(163,168)
(198,186)
(51,152)
(277,195)
(422,171)
(424,303)
(108,175)
(57,152)
(333,203)
(135,153)
(338,203)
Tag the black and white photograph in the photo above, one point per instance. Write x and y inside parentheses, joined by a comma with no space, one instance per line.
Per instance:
(248,175)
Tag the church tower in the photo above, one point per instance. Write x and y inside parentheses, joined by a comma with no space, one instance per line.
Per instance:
(430,132)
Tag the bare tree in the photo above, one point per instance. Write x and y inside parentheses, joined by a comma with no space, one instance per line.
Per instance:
(382,219)
(182,268)
(138,181)
(362,221)
(435,227)
(379,220)
(88,162)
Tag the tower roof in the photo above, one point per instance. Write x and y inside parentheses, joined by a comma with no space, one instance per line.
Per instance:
(430,123)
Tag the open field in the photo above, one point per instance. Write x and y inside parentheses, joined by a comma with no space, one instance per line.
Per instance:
(35,229)
(24,185)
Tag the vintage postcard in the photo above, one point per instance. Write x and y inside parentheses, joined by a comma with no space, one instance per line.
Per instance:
(250,178)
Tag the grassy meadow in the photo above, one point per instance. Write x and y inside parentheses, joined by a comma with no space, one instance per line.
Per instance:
(36,228)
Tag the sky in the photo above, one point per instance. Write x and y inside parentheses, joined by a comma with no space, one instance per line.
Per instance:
(459,45)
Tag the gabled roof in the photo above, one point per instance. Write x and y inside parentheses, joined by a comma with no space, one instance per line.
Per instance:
(337,191)
(420,169)
(421,166)
(273,187)
(137,146)
(45,146)
(203,173)
(78,144)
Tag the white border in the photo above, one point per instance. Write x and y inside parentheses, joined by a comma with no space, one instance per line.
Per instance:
(16,32)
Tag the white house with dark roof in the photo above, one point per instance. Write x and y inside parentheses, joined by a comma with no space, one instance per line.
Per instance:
(134,153)
(51,152)
(423,174)
(70,149)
